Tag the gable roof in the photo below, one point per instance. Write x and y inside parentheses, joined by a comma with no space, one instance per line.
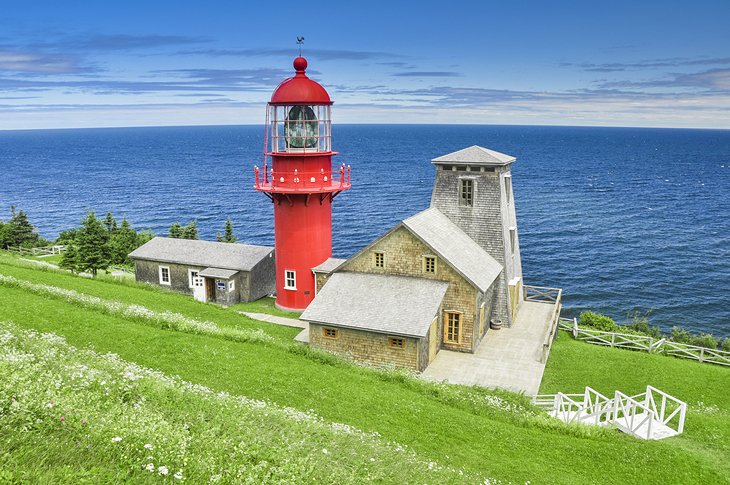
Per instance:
(329,265)
(452,244)
(476,155)
(241,257)
(396,305)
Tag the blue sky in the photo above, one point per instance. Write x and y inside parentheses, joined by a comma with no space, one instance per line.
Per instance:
(618,63)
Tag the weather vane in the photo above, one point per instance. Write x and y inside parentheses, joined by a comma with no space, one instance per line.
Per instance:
(300,41)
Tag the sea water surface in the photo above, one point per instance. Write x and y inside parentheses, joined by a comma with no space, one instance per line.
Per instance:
(623,219)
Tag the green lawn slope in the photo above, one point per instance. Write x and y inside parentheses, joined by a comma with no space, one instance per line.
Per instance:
(484,434)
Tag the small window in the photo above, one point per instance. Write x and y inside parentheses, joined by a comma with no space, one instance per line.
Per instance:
(192,274)
(379,260)
(512,237)
(231,285)
(452,329)
(290,280)
(330,332)
(429,264)
(396,342)
(164,275)
(466,192)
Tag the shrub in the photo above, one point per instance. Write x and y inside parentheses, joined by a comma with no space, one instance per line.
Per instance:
(640,324)
(705,340)
(681,335)
(598,322)
(726,345)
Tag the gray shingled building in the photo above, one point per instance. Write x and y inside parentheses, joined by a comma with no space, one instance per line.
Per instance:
(383,305)
(223,273)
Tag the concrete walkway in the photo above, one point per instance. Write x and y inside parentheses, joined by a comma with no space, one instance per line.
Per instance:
(508,358)
(265,317)
(302,336)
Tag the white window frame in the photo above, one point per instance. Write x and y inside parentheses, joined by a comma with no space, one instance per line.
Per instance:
(231,285)
(169,275)
(191,281)
(462,202)
(293,278)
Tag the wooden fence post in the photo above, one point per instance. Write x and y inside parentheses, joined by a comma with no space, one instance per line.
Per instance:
(575,327)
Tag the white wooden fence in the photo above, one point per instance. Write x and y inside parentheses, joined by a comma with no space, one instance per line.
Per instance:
(644,343)
(651,415)
(44,251)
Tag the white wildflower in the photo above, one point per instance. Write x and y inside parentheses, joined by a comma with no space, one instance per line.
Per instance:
(162,470)
(148,446)
(324,450)
(178,475)
(150,467)
(117,439)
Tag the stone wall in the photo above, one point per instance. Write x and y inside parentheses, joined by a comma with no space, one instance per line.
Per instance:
(403,254)
(487,222)
(149,272)
(371,348)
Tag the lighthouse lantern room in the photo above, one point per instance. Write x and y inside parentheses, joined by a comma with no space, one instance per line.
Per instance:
(297,176)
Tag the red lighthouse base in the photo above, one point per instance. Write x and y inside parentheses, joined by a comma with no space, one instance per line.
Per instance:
(303,233)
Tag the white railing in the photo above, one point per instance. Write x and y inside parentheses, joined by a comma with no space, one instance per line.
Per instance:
(42,251)
(644,343)
(630,416)
(650,415)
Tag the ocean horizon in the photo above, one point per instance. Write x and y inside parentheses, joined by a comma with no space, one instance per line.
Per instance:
(625,220)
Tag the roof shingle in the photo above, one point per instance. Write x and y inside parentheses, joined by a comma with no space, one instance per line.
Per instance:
(241,257)
(398,305)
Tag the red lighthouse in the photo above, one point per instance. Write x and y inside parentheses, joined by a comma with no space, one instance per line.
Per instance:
(300,183)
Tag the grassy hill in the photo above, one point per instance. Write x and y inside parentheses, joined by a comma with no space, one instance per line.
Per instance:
(398,429)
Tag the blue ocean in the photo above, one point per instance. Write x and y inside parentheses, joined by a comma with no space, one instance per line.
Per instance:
(623,219)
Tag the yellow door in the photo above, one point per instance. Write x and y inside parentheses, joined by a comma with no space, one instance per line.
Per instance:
(433,340)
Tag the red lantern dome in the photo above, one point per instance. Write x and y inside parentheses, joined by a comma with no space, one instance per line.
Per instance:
(300,89)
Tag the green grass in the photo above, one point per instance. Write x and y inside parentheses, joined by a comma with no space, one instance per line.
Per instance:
(704,387)
(53,259)
(492,443)
(264,305)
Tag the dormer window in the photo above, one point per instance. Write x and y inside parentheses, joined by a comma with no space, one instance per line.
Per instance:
(466,192)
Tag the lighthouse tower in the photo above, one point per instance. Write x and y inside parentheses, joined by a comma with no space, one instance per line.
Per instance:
(297,176)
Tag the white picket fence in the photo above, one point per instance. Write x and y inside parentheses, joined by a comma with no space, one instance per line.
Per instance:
(651,415)
(644,343)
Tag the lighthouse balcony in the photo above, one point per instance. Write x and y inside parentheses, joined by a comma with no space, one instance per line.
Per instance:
(292,182)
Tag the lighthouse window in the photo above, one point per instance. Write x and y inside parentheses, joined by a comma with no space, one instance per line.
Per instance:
(301,128)
(290,280)
(379,260)
(466,192)
(452,329)
(429,264)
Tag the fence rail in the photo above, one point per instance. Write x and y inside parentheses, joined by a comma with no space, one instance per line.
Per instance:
(644,343)
(539,293)
(43,251)
(552,296)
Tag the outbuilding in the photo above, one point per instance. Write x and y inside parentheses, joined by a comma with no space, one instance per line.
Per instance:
(223,273)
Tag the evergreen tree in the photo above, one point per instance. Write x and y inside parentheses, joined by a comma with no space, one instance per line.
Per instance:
(122,242)
(20,231)
(110,223)
(67,236)
(227,235)
(4,228)
(70,258)
(144,236)
(176,230)
(93,244)
(191,230)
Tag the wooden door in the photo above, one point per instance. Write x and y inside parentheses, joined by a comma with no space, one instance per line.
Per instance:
(210,289)
(433,339)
